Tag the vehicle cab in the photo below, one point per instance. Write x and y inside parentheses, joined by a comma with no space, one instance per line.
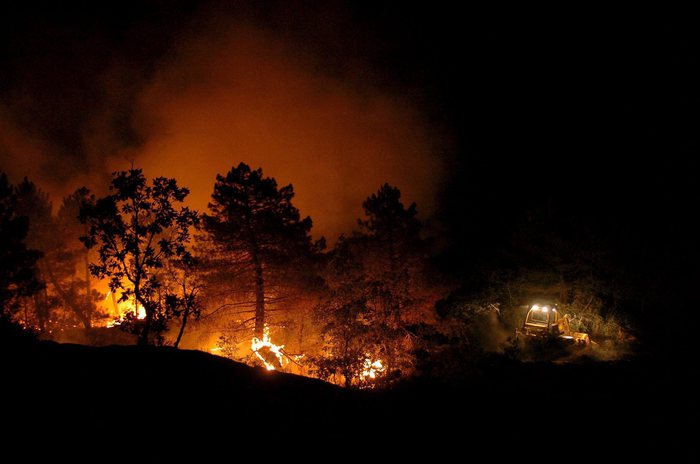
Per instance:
(545,320)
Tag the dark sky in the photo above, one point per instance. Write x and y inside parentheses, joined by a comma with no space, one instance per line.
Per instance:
(473,114)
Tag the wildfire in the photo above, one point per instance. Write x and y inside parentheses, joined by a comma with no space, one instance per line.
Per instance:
(122,308)
(265,345)
(371,369)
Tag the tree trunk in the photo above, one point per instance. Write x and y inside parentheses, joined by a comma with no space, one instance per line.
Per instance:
(88,299)
(144,332)
(39,310)
(301,334)
(395,304)
(70,302)
(259,297)
(40,305)
(143,335)
(347,371)
(115,304)
(182,328)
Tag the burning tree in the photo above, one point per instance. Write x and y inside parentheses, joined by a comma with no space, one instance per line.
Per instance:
(259,245)
(353,330)
(137,230)
(378,292)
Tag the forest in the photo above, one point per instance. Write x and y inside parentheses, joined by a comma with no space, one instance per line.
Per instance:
(348,229)
(247,280)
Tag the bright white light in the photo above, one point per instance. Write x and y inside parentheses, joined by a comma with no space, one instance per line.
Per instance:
(535,308)
(545,309)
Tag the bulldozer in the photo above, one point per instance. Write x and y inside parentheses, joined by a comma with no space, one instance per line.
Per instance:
(545,322)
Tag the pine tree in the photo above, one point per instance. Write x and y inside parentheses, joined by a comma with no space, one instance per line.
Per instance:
(378,289)
(351,324)
(35,204)
(391,235)
(68,260)
(18,275)
(258,232)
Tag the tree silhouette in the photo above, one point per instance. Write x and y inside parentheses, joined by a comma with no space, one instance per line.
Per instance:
(34,203)
(18,276)
(182,296)
(66,262)
(378,290)
(137,230)
(259,235)
(391,235)
(351,324)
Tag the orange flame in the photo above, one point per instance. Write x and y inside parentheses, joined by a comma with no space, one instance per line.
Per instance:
(122,309)
(371,369)
(257,345)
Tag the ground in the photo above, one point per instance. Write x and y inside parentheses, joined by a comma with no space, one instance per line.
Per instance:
(169,401)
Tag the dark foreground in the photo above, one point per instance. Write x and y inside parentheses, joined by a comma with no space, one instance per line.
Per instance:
(157,404)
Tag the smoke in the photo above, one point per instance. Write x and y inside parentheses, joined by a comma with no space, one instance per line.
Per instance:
(15,142)
(229,91)
(244,95)
(24,154)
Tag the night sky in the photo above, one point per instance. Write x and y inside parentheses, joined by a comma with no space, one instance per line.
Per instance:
(476,115)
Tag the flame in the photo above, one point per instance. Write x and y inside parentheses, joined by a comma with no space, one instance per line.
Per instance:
(256,345)
(371,369)
(122,309)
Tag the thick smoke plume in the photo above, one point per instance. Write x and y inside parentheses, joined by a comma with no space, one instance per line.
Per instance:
(228,91)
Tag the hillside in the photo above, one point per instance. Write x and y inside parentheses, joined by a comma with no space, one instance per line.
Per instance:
(161,397)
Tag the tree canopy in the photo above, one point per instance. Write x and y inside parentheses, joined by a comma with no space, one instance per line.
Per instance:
(261,234)
(137,229)
(18,273)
